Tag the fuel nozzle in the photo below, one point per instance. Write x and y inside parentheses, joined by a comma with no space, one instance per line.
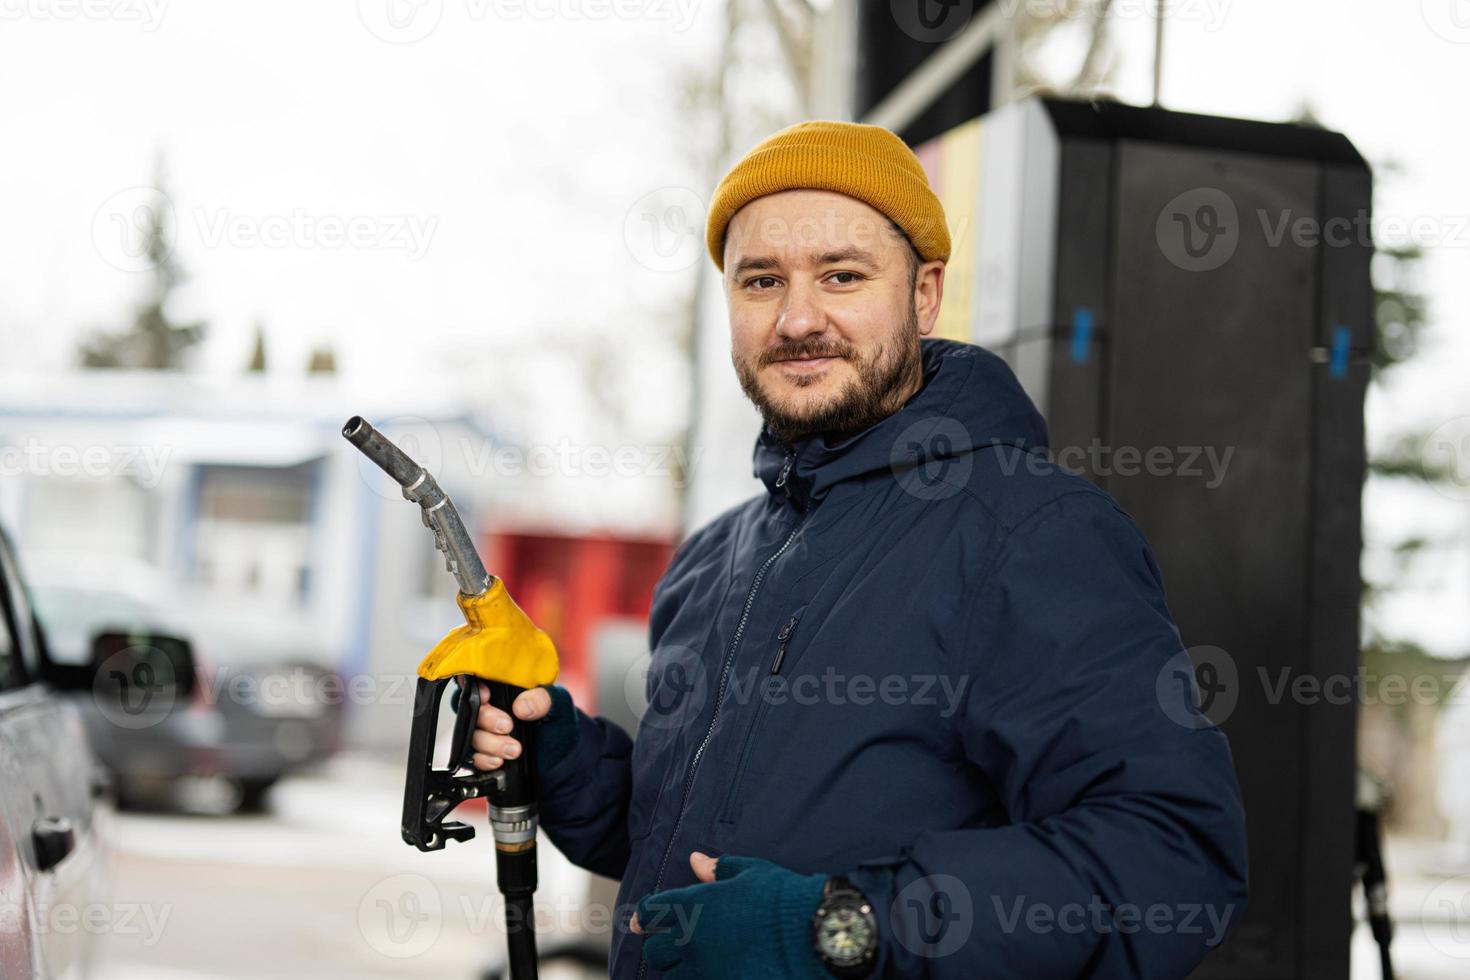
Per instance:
(500,647)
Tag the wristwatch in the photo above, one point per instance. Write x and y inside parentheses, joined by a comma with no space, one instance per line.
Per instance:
(844,931)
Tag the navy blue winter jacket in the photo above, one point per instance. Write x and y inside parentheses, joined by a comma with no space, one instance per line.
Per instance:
(930,660)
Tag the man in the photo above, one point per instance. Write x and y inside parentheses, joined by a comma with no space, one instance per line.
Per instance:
(914,710)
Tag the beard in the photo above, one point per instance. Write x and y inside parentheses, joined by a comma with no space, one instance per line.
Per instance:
(881,385)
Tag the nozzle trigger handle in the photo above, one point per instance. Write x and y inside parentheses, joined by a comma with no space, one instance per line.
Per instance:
(461,744)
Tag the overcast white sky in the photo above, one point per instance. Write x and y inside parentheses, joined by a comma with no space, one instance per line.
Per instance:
(487,170)
(489,167)
(493,161)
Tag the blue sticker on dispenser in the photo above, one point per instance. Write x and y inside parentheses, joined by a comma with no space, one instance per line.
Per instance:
(1341,341)
(1081,333)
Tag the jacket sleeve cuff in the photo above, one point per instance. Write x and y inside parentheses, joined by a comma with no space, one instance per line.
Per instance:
(557,736)
(876,880)
(570,745)
(584,796)
(796,903)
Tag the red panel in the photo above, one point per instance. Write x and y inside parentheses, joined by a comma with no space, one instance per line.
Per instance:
(567,585)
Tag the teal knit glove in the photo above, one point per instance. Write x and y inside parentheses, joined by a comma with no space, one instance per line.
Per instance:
(753,922)
(558,731)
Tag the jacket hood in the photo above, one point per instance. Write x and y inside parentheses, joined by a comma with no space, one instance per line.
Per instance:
(970,399)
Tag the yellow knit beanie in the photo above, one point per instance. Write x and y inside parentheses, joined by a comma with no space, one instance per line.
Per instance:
(864,162)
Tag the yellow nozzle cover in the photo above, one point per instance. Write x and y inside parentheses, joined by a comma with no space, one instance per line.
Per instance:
(497,643)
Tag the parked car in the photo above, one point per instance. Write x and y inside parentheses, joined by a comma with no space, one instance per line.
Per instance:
(256,711)
(52,859)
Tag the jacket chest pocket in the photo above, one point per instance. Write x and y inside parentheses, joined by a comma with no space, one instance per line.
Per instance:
(778,657)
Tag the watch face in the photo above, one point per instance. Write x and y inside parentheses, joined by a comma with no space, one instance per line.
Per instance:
(844,935)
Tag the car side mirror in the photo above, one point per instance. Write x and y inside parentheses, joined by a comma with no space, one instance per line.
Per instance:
(137,669)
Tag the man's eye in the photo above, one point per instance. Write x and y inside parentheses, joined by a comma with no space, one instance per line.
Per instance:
(760,279)
(853,277)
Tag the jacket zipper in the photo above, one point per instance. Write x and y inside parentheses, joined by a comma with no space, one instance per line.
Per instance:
(719,700)
(783,481)
(783,637)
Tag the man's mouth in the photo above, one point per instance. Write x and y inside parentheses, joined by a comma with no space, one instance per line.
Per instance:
(805,361)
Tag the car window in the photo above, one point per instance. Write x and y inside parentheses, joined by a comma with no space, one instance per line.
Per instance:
(22,657)
(72,617)
(11,674)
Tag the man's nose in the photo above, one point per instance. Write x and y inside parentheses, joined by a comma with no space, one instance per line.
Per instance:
(801,313)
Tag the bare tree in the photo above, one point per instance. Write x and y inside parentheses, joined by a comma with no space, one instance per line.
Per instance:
(1038,24)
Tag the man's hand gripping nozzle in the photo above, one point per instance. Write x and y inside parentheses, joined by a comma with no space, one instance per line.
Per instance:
(499,645)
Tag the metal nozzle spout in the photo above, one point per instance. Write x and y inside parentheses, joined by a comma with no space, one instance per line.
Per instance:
(420,487)
(377,447)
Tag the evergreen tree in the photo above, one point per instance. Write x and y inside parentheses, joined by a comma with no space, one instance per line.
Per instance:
(153,340)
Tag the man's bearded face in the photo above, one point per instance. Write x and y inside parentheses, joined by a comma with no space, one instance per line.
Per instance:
(824,323)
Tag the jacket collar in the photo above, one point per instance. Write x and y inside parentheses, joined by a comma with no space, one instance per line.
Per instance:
(970,398)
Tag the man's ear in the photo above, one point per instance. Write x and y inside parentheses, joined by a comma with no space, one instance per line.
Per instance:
(928,294)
